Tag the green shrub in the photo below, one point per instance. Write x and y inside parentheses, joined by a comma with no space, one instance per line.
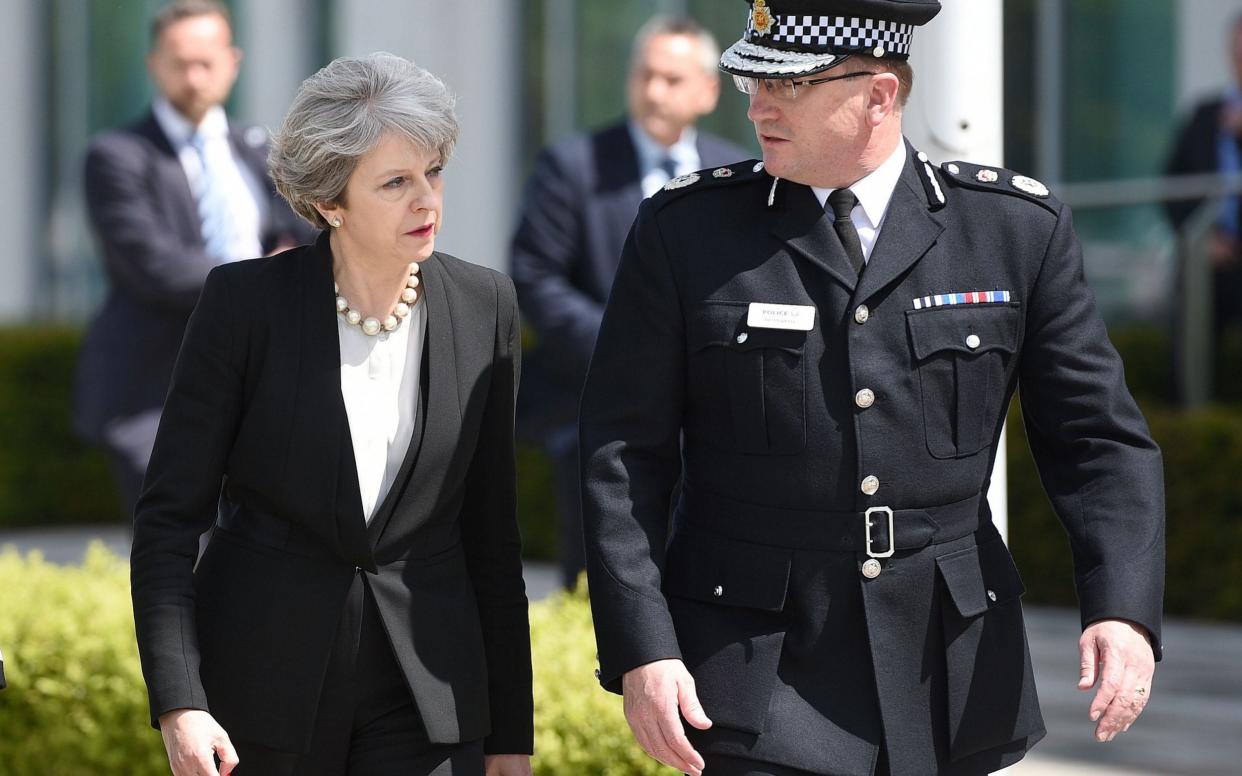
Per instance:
(580,729)
(76,703)
(47,476)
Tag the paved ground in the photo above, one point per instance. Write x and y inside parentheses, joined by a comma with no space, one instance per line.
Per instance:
(1192,726)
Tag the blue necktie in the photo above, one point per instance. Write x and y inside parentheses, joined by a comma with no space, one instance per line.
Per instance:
(669,167)
(214,210)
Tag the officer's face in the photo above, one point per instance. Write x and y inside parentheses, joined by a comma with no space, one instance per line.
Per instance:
(819,137)
(194,64)
(669,88)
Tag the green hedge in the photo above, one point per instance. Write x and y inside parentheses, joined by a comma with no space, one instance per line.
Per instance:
(76,703)
(47,477)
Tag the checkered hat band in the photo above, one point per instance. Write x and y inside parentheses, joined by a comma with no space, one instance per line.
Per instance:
(829,34)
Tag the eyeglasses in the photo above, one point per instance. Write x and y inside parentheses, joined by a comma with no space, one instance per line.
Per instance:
(785,89)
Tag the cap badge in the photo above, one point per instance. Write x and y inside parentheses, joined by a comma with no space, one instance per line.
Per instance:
(987,176)
(761,18)
(723,172)
(682,181)
(1030,186)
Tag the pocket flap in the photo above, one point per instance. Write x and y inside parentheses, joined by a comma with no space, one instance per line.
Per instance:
(980,577)
(724,571)
(964,328)
(724,324)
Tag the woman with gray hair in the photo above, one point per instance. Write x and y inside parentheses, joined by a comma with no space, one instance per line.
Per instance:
(342,415)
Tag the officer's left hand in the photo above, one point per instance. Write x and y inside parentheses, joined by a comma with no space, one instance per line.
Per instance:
(1118,653)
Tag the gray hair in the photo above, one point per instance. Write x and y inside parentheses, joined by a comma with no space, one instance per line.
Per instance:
(340,114)
(709,49)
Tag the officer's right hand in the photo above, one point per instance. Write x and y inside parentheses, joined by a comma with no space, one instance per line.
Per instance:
(194,739)
(654,694)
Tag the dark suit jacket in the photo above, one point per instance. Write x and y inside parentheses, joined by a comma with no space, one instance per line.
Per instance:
(146,221)
(1195,152)
(580,202)
(256,403)
(798,657)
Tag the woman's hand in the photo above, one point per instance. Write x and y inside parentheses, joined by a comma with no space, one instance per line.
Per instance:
(507,764)
(193,739)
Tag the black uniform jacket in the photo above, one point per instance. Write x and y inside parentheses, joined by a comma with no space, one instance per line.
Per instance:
(793,439)
(256,403)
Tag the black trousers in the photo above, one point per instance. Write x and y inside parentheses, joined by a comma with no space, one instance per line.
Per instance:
(567,477)
(367,724)
(718,765)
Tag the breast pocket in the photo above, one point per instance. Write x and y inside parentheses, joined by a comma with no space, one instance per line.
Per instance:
(962,354)
(749,383)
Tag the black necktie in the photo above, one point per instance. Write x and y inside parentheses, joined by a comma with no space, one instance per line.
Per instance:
(842,202)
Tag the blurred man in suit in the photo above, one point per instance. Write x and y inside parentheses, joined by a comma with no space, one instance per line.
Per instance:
(1211,142)
(581,199)
(169,198)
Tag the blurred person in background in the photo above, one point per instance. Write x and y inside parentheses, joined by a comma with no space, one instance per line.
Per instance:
(1211,142)
(360,607)
(169,198)
(580,201)
(820,348)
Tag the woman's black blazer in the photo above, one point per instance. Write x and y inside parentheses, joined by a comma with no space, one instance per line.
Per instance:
(255,405)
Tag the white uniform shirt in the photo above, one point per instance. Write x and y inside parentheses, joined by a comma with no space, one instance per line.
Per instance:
(874,192)
(380,385)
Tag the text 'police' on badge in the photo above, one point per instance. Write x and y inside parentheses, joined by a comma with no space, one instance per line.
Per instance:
(791,317)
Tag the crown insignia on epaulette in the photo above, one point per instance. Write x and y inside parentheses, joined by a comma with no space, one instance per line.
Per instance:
(682,181)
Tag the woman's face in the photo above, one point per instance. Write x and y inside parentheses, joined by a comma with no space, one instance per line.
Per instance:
(393,203)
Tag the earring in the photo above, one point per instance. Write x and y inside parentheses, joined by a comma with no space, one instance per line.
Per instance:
(336,222)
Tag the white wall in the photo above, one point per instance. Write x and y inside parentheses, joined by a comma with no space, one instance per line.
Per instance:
(473,47)
(1202,40)
(21,196)
(276,37)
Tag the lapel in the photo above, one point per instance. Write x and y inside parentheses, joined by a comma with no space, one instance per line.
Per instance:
(321,449)
(909,230)
(804,226)
(172,173)
(618,192)
(439,405)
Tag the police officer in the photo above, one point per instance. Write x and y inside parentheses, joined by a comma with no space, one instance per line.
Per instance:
(825,343)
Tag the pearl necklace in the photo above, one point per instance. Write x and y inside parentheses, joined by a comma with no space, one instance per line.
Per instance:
(372,326)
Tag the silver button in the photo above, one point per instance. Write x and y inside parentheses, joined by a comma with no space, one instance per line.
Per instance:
(718,591)
(992,596)
(862,314)
(742,337)
(871,568)
(953,169)
(870,485)
(973,341)
(864,398)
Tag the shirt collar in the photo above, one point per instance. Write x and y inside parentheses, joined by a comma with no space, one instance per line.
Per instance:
(875,190)
(685,152)
(178,128)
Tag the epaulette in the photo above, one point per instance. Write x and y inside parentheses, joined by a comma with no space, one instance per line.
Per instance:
(981,178)
(728,175)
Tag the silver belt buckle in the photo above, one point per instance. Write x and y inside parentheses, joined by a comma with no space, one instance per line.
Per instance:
(892,537)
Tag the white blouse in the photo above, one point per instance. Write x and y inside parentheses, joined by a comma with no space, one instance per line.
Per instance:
(380,385)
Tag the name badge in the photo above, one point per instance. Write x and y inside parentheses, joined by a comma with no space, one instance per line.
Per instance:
(793,317)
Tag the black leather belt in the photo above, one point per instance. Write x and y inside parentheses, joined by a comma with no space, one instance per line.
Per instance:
(879,531)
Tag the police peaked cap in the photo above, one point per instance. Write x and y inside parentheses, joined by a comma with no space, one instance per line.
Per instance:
(788,38)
